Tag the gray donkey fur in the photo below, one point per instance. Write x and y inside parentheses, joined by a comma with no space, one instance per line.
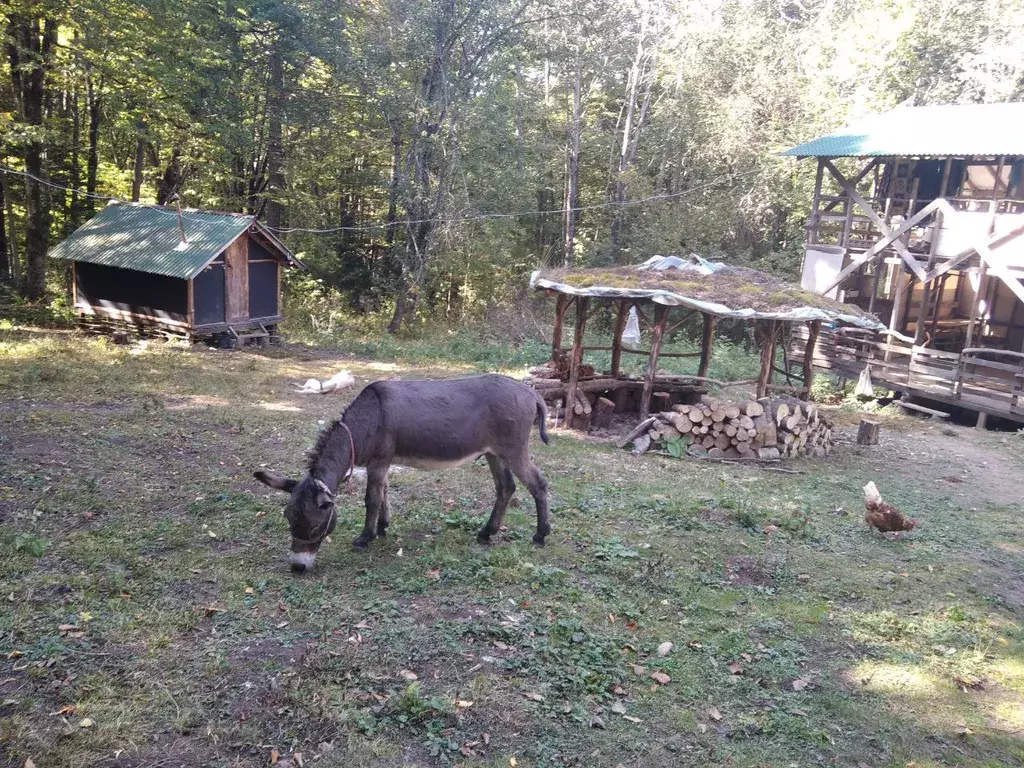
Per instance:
(423,424)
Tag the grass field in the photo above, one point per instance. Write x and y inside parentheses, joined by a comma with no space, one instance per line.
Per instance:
(148,617)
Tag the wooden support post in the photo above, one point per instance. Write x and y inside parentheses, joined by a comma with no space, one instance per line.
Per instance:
(769,330)
(657,330)
(976,303)
(813,328)
(620,326)
(982,420)
(561,306)
(926,287)
(815,223)
(707,341)
(576,359)
(867,433)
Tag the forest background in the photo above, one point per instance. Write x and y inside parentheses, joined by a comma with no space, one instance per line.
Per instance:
(424,157)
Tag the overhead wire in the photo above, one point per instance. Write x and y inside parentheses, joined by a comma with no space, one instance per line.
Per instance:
(404,222)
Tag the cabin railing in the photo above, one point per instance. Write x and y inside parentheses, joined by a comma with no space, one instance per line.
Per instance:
(989,380)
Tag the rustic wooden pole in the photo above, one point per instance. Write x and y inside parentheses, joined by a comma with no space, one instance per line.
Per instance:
(813,328)
(926,288)
(769,330)
(576,359)
(707,340)
(979,296)
(815,222)
(561,305)
(620,326)
(658,329)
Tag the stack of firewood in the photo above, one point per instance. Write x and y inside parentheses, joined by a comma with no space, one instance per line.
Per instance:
(766,429)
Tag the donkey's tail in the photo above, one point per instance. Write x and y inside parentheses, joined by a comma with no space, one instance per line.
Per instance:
(542,416)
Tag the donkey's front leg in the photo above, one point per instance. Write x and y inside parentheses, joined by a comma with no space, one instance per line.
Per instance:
(376,495)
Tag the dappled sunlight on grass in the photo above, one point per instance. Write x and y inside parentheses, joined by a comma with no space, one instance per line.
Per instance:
(892,678)
(285,407)
(816,643)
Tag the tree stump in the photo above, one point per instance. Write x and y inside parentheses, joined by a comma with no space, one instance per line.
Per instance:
(660,401)
(602,413)
(867,433)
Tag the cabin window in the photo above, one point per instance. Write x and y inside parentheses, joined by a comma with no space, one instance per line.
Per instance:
(263,289)
(208,295)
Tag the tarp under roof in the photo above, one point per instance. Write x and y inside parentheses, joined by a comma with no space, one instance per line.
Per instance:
(717,289)
(146,238)
(939,131)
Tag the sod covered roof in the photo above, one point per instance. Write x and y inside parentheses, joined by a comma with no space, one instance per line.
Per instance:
(717,289)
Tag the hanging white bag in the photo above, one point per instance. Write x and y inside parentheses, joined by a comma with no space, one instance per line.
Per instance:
(631,336)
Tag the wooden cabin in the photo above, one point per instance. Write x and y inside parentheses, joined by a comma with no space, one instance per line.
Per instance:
(918,218)
(197,275)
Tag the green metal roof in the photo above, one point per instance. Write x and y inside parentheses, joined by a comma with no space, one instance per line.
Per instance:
(146,238)
(939,131)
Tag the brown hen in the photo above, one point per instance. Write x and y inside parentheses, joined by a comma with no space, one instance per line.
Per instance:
(882,516)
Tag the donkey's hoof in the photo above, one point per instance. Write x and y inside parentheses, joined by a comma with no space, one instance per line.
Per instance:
(382,533)
(360,544)
(538,539)
(483,538)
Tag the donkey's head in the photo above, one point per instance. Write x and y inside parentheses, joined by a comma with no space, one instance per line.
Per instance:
(310,512)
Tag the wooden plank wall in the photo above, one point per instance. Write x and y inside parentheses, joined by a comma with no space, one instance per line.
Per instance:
(236,283)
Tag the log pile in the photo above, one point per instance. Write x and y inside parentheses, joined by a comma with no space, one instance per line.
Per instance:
(766,429)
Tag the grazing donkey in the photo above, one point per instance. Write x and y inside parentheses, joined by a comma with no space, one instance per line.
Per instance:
(423,424)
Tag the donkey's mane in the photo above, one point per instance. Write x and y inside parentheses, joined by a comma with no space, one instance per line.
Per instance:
(322,441)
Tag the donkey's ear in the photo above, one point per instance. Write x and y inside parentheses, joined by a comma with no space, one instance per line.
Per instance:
(274,480)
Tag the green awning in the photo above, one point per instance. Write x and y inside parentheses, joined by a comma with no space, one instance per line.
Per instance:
(940,131)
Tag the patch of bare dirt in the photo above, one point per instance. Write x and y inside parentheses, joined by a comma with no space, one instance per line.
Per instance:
(747,571)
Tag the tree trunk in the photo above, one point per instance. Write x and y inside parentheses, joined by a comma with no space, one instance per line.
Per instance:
(639,76)
(172,179)
(572,172)
(275,147)
(12,233)
(140,161)
(74,211)
(5,261)
(95,117)
(34,37)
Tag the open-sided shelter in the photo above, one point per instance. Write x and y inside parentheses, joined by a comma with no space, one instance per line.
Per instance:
(918,216)
(198,276)
(677,289)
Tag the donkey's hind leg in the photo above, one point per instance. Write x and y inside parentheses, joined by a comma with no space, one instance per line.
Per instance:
(504,487)
(531,477)
(376,496)
(384,514)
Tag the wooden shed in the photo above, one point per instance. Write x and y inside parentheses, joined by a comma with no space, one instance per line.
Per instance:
(918,217)
(201,275)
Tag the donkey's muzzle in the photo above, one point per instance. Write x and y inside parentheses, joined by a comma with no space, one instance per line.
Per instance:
(301,562)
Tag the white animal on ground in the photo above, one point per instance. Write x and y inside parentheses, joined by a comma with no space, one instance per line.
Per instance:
(337,382)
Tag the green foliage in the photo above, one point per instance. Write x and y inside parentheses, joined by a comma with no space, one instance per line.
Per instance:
(402,154)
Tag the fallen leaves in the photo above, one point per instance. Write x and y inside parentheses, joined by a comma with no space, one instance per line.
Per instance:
(533,696)
(408,674)
(618,708)
(665,649)
(463,704)
(660,678)
(714,714)
(736,668)
(799,684)
(86,722)
(596,721)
